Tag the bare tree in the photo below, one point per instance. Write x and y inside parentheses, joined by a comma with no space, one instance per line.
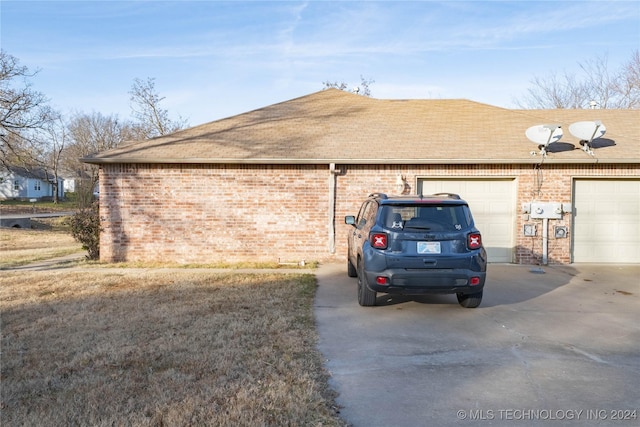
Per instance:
(151,119)
(363,89)
(597,84)
(41,154)
(59,140)
(555,91)
(627,83)
(30,129)
(23,111)
(90,134)
(48,151)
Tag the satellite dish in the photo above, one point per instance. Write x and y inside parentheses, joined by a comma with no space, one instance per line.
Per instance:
(586,132)
(543,135)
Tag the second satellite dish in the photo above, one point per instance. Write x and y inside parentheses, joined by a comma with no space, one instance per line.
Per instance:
(586,132)
(543,135)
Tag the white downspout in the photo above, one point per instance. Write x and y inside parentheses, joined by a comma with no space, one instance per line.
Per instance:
(332,207)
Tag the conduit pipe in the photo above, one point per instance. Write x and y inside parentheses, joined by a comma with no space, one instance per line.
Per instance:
(333,172)
(545,241)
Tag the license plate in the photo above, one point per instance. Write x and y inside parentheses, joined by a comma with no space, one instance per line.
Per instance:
(428,247)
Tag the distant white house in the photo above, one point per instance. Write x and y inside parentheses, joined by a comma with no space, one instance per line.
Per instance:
(69,184)
(18,183)
(75,180)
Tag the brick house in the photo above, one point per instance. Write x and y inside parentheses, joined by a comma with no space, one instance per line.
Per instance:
(274,184)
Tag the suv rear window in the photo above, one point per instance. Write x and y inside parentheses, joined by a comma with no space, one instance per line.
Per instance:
(426,217)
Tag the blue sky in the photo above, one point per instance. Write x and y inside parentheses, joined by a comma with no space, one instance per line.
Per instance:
(215,59)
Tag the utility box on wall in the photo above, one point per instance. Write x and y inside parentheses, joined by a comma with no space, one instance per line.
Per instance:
(546,210)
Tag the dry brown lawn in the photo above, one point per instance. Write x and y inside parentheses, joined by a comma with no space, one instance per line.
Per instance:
(161,347)
(19,246)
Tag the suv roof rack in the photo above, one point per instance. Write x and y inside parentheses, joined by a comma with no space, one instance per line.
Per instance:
(452,195)
(381,195)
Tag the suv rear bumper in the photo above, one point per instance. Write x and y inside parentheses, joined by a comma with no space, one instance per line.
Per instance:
(426,281)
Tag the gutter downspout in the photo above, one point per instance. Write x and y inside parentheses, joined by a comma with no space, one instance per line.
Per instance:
(545,241)
(332,207)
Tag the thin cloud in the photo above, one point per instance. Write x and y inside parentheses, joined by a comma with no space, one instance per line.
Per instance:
(541,19)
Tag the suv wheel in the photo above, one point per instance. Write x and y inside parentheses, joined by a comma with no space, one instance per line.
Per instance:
(351,270)
(366,297)
(470,300)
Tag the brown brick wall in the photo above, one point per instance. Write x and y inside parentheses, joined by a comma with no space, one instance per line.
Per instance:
(230,213)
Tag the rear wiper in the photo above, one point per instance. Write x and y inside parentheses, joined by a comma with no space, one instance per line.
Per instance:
(417,227)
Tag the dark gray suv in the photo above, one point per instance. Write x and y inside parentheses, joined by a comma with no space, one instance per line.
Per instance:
(413,245)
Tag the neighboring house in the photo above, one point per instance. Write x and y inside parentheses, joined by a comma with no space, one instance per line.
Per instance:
(19,183)
(274,184)
(75,180)
(69,183)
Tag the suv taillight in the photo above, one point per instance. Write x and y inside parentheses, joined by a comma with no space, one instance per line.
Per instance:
(378,240)
(474,241)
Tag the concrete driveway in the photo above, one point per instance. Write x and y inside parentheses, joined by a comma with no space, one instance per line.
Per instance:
(548,346)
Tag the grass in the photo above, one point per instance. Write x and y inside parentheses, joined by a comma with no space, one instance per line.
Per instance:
(41,206)
(50,238)
(161,347)
(229,266)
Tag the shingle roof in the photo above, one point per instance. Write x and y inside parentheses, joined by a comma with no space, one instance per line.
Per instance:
(333,126)
(26,172)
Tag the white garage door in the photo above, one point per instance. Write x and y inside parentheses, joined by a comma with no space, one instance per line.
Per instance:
(606,221)
(492,203)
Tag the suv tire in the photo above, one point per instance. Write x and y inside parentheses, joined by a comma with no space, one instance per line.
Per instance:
(470,300)
(366,297)
(351,270)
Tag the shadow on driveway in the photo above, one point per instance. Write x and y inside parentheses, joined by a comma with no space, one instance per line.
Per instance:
(524,283)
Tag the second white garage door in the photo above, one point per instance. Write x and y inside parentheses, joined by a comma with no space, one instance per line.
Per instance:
(492,202)
(606,220)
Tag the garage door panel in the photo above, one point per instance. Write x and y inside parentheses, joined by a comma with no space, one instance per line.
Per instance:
(628,206)
(499,208)
(492,202)
(630,229)
(497,231)
(606,220)
(602,235)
